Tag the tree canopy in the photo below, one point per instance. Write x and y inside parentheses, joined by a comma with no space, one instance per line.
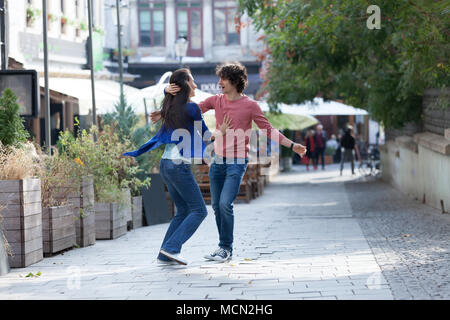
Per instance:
(325,48)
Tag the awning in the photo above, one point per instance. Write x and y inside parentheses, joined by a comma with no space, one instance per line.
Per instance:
(107,93)
(317,108)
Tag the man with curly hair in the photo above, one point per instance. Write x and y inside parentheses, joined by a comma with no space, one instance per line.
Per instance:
(231,151)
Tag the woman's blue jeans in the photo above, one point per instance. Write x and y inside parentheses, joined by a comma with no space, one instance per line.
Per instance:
(225,179)
(191,208)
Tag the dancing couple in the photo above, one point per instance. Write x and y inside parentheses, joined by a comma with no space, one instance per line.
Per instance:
(233,111)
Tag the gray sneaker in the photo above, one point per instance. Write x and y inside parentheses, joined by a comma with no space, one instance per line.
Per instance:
(220,254)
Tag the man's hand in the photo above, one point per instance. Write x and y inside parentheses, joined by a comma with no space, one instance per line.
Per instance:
(172,89)
(155,116)
(299,149)
(226,124)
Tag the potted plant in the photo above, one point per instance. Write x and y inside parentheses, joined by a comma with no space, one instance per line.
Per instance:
(20,191)
(31,16)
(99,30)
(102,159)
(51,17)
(5,250)
(134,186)
(58,224)
(83,26)
(81,196)
(131,173)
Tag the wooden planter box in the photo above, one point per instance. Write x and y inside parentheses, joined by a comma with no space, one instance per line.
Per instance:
(22,220)
(136,212)
(128,208)
(4,263)
(110,221)
(84,214)
(58,229)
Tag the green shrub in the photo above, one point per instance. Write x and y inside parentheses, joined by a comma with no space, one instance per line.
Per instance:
(12,130)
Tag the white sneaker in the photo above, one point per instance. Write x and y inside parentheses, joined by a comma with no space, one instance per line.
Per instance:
(173,256)
(163,262)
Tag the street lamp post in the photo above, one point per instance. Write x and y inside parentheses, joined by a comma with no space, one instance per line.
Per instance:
(4,64)
(181,46)
(48,135)
(119,18)
(91,58)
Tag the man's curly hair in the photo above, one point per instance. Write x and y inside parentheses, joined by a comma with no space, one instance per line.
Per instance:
(235,72)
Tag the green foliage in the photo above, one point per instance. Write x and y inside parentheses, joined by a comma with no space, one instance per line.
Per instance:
(324,48)
(104,161)
(123,118)
(12,130)
(285,151)
(148,161)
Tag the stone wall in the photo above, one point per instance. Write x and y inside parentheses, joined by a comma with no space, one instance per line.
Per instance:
(416,158)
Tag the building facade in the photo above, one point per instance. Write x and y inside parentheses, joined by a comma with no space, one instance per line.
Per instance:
(209,26)
(67,31)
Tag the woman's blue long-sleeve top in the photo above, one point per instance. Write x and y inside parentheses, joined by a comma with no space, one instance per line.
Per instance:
(190,139)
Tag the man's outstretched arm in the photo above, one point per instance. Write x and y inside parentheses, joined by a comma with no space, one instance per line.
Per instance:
(264,124)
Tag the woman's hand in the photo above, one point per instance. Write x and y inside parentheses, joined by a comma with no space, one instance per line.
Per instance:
(226,124)
(172,89)
(155,116)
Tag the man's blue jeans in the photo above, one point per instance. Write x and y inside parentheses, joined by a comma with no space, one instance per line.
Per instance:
(191,208)
(225,179)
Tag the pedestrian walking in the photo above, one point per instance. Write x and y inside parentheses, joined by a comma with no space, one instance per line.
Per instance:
(230,161)
(311,150)
(179,113)
(349,148)
(320,140)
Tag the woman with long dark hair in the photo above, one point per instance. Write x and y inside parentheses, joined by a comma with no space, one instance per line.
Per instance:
(180,132)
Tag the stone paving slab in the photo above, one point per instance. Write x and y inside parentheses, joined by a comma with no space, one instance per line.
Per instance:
(300,240)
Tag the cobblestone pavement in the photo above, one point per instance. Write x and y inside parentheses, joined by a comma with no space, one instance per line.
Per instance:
(410,241)
(301,240)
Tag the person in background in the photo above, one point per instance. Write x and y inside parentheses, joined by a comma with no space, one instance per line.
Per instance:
(310,149)
(349,147)
(320,143)
(338,153)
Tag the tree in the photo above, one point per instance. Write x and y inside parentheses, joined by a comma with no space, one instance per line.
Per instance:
(12,130)
(123,118)
(324,48)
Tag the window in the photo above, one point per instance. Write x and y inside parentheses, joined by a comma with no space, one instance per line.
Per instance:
(151,23)
(224,12)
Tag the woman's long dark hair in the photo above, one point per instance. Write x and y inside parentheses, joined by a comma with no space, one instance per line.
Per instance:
(173,110)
